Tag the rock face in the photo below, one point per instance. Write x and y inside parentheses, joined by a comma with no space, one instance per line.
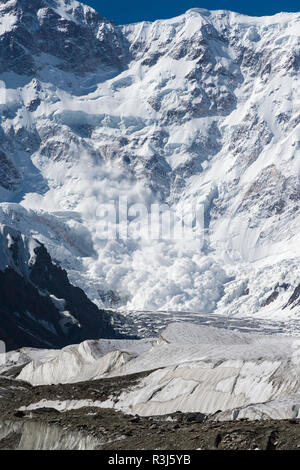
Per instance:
(39,307)
(203,108)
(79,38)
(81,425)
(9,175)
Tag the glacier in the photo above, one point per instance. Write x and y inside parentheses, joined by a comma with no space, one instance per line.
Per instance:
(224,374)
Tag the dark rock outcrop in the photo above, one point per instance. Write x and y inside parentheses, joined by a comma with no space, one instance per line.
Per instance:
(38,305)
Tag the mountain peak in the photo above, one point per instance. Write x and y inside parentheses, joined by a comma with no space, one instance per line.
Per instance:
(38,10)
(69,31)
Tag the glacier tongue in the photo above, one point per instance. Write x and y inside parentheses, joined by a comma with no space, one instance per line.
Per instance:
(197,369)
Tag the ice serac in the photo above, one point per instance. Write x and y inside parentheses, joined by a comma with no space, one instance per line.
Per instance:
(221,373)
(199,108)
(87,361)
(39,307)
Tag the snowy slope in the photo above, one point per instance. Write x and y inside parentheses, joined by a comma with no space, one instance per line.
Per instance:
(203,107)
(197,369)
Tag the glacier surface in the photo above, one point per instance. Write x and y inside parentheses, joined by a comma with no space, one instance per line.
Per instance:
(222,373)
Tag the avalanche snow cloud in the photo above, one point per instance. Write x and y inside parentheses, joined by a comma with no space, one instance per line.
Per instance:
(201,108)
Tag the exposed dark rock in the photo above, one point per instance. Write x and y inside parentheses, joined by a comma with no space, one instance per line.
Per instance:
(10,177)
(29,317)
(272,297)
(294,300)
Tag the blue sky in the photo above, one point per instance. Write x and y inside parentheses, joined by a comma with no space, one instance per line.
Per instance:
(129,11)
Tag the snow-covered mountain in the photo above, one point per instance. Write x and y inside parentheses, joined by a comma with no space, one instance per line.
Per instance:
(203,107)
